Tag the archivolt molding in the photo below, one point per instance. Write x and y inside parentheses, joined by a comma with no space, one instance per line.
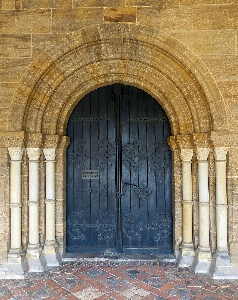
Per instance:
(109,53)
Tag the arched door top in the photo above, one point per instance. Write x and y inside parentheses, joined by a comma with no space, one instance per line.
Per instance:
(100,55)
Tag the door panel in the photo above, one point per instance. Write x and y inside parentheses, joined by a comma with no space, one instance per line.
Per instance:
(91,213)
(146,175)
(119,174)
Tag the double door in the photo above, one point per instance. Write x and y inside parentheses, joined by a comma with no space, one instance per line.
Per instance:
(118,168)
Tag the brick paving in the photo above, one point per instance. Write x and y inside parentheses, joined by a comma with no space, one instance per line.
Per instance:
(150,280)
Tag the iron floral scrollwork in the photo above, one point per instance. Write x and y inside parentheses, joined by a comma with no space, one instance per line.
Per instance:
(132,227)
(162,227)
(105,226)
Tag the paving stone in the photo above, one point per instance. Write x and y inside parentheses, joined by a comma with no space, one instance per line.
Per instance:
(120,281)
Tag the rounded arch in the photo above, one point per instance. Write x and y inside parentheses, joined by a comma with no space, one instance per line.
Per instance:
(104,54)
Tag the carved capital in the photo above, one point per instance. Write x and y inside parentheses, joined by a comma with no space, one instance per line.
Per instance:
(172,143)
(202,153)
(49,154)
(12,139)
(33,154)
(186,154)
(201,140)
(51,141)
(220,153)
(184,141)
(34,140)
(15,153)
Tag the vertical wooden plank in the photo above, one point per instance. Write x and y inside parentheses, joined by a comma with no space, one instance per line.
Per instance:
(151,159)
(126,180)
(142,117)
(95,116)
(111,160)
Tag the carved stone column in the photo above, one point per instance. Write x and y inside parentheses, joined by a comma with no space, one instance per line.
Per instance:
(204,251)
(221,267)
(187,247)
(34,248)
(16,253)
(50,241)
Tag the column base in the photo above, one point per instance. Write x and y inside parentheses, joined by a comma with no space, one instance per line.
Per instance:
(221,267)
(51,255)
(16,266)
(36,261)
(202,263)
(36,264)
(186,256)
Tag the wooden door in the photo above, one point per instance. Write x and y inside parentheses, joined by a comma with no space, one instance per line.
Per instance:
(118,174)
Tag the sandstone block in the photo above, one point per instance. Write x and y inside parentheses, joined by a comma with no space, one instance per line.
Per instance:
(33,4)
(205,2)
(160,3)
(208,42)
(71,20)
(215,17)
(174,18)
(7,91)
(25,21)
(12,69)
(223,68)
(8,4)
(121,14)
(97,3)
(15,45)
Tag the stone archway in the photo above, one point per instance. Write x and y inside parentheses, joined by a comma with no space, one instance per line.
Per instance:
(100,55)
(119,53)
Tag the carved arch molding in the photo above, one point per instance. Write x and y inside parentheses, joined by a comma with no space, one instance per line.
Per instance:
(72,66)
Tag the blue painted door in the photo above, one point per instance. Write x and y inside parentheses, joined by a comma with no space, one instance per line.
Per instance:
(119,174)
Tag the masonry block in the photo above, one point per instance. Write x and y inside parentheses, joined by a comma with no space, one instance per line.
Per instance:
(25,21)
(121,14)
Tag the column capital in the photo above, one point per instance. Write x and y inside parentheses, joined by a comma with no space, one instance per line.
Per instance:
(202,154)
(33,154)
(15,153)
(12,139)
(172,142)
(34,140)
(51,141)
(186,154)
(49,154)
(201,140)
(220,153)
(184,141)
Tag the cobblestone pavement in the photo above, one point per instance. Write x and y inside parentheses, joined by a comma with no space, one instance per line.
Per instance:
(118,280)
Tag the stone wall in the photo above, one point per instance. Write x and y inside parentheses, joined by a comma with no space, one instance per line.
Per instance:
(34,34)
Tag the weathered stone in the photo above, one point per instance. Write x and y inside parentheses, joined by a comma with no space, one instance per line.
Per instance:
(223,68)
(206,2)
(175,18)
(122,14)
(182,52)
(34,4)
(71,20)
(8,4)
(12,69)
(24,21)
(7,91)
(208,42)
(219,17)
(161,3)
(96,3)
(15,45)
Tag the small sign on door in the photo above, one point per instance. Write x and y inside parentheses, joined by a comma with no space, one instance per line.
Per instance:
(90,174)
